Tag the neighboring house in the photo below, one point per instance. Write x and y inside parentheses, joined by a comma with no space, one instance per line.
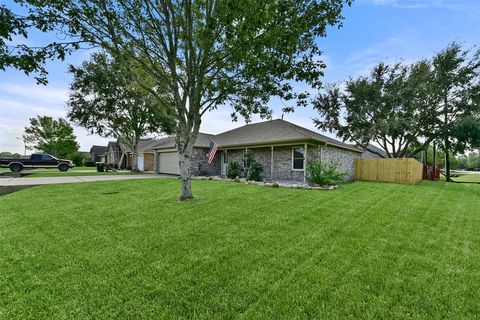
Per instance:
(281,147)
(114,153)
(368,154)
(146,155)
(97,153)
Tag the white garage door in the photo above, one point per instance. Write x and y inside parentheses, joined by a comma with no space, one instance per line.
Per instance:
(168,162)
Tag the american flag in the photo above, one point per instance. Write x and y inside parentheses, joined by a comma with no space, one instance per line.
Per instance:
(211,152)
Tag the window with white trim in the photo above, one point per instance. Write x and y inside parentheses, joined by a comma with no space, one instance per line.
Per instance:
(298,158)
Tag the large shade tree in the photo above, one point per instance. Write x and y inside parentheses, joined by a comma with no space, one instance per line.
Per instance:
(52,136)
(400,106)
(208,53)
(106,99)
(385,107)
(455,92)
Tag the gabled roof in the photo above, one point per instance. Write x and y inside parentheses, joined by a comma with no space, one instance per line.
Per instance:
(143,145)
(376,149)
(203,141)
(274,132)
(114,145)
(99,150)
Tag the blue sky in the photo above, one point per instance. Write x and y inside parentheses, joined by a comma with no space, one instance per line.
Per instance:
(373,31)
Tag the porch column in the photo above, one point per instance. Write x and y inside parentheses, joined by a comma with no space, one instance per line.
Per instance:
(155,161)
(271,164)
(245,158)
(305,164)
(225,159)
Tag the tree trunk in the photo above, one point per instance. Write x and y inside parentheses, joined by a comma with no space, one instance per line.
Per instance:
(135,157)
(447,143)
(447,159)
(184,162)
(434,160)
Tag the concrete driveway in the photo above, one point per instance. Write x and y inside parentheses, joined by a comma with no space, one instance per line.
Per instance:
(10,182)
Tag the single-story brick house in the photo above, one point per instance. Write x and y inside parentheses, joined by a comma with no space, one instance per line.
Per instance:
(166,157)
(281,147)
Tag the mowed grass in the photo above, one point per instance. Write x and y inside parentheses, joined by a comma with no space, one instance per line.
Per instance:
(54,169)
(129,249)
(473,177)
(73,173)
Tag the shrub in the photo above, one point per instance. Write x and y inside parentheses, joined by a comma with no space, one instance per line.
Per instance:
(234,169)
(255,171)
(324,173)
(78,159)
(89,163)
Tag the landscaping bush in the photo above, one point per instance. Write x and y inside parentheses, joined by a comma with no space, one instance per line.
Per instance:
(255,171)
(89,163)
(78,159)
(234,169)
(252,170)
(324,173)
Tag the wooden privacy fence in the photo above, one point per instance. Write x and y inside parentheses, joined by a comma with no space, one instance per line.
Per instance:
(405,170)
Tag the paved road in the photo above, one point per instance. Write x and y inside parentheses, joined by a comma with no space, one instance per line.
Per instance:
(5,182)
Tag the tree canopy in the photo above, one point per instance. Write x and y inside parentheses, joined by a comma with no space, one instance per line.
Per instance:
(382,107)
(403,105)
(51,136)
(106,100)
(207,53)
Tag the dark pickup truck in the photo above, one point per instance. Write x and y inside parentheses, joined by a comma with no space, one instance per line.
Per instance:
(36,160)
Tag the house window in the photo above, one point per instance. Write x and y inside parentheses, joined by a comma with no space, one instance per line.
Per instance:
(298,157)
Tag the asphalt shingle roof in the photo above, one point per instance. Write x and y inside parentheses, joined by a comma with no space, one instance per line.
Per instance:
(115,146)
(203,141)
(262,133)
(143,145)
(272,132)
(98,150)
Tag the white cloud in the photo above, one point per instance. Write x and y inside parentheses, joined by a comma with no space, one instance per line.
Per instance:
(466,6)
(19,102)
(51,95)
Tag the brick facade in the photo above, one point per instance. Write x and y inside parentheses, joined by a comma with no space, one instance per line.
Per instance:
(345,158)
(199,163)
(282,161)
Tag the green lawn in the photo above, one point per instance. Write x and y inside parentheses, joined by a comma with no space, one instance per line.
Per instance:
(53,169)
(83,168)
(129,249)
(73,173)
(468,177)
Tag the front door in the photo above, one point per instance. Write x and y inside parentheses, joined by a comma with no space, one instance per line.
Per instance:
(223,161)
